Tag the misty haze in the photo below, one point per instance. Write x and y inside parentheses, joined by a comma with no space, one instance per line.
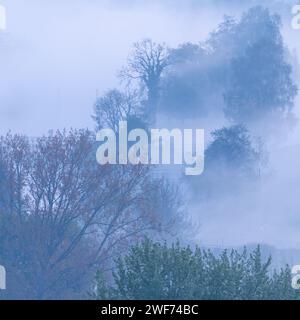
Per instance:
(72,68)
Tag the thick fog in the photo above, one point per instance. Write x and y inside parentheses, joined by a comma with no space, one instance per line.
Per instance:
(57,57)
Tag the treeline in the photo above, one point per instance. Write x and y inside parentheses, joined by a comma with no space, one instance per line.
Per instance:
(152,270)
(63,216)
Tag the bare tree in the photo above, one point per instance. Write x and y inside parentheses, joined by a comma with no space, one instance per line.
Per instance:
(146,64)
(115,106)
(63,214)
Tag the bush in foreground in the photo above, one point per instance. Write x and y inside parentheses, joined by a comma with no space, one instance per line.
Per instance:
(152,270)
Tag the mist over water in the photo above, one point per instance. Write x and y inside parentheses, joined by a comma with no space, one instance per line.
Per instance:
(58,56)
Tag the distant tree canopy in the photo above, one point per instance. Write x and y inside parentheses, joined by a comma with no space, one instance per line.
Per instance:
(242,69)
(146,64)
(232,148)
(115,106)
(260,82)
(156,271)
(192,85)
(231,159)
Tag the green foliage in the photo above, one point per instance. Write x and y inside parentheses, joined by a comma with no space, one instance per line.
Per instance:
(232,147)
(152,270)
(232,153)
(260,79)
(242,70)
